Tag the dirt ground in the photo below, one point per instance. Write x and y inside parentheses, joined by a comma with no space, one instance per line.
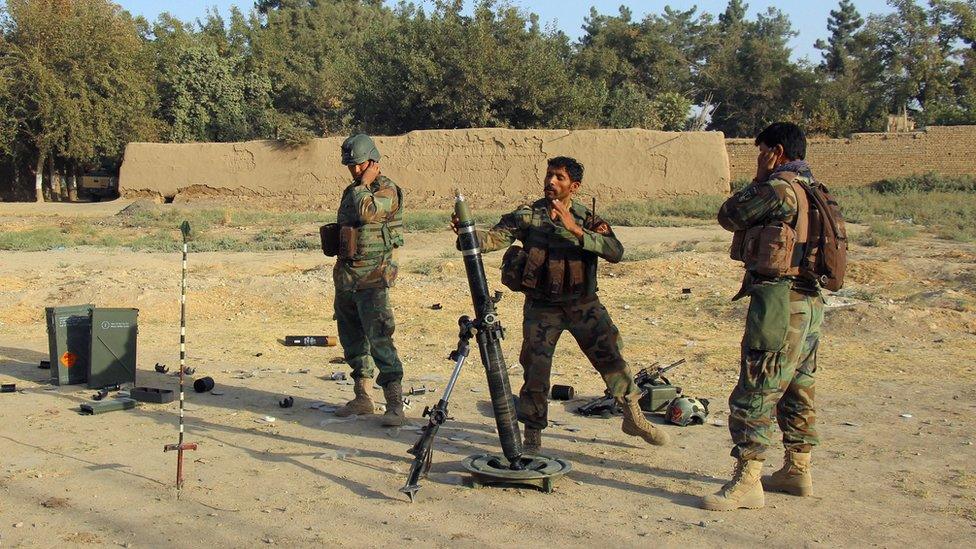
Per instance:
(896,407)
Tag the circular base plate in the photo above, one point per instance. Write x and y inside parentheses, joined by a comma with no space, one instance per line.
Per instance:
(538,470)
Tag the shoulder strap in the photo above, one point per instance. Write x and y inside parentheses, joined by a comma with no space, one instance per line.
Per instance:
(801,223)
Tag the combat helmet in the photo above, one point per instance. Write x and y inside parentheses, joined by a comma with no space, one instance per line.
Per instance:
(687,410)
(359,148)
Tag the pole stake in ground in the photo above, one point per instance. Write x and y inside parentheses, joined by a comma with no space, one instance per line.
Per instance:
(181,446)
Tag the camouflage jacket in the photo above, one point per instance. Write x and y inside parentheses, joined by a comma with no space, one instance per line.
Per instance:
(370,208)
(770,201)
(532,223)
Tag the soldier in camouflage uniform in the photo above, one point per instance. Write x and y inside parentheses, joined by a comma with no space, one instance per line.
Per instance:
(370,219)
(779,348)
(563,240)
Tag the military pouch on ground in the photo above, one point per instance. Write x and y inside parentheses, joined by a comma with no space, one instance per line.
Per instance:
(768,249)
(329,234)
(768,319)
(348,242)
(513,266)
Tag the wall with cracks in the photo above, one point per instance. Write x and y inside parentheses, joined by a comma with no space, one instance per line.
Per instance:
(494,167)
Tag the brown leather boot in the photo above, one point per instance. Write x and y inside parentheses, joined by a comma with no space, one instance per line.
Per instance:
(635,424)
(744,491)
(394,416)
(532,440)
(362,404)
(794,478)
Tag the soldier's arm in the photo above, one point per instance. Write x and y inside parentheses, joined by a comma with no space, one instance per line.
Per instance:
(375,205)
(763,202)
(510,227)
(598,238)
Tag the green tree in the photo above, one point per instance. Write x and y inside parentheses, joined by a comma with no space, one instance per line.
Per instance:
(843,24)
(74,83)
(646,65)
(911,56)
(448,70)
(313,54)
(749,74)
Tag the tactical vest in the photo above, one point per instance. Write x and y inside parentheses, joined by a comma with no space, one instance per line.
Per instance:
(775,249)
(813,247)
(371,240)
(555,269)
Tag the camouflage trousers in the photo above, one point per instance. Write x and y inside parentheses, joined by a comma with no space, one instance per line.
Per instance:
(776,370)
(590,324)
(366,326)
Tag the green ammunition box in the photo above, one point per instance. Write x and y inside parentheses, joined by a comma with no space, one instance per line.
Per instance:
(113,347)
(69,343)
(657,398)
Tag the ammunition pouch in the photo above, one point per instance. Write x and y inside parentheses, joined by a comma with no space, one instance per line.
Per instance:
(329,235)
(776,249)
(766,249)
(348,242)
(513,267)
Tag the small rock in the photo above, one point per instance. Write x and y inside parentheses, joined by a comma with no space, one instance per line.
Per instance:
(341,453)
(626,307)
(573,429)
(852,424)
(18,524)
(906,416)
(258,354)
(703,524)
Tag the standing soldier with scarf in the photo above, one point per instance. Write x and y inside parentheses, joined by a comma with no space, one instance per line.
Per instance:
(771,220)
(369,220)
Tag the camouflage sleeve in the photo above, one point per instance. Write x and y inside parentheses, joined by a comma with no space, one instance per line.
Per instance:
(510,227)
(375,204)
(598,238)
(772,200)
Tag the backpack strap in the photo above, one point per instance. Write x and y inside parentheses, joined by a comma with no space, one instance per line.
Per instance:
(801,222)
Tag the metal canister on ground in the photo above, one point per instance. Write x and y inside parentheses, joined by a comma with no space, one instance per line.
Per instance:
(203,384)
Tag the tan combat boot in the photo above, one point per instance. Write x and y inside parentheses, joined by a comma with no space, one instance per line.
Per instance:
(362,404)
(532,441)
(635,424)
(394,416)
(794,478)
(744,491)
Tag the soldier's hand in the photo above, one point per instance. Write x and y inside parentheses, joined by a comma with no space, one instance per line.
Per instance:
(371,173)
(454,222)
(562,211)
(765,164)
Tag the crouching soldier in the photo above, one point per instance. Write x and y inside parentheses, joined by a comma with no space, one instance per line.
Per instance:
(557,273)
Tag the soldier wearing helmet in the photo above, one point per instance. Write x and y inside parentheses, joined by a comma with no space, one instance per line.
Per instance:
(370,220)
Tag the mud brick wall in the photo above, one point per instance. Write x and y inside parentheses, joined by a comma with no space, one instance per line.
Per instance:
(869,157)
(493,166)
